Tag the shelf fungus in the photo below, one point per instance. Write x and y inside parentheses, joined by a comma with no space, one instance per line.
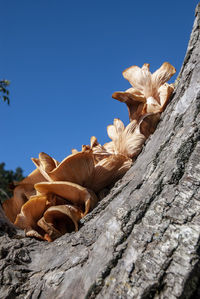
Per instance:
(31,212)
(55,196)
(150,92)
(75,194)
(21,194)
(42,214)
(125,141)
(76,168)
(82,168)
(58,220)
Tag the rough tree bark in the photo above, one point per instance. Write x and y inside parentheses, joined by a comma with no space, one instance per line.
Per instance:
(142,240)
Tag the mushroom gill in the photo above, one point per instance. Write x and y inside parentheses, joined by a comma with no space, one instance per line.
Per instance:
(109,170)
(45,164)
(134,100)
(150,93)
(125,141)
(59,220)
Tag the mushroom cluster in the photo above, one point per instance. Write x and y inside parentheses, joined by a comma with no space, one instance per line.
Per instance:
(55,196)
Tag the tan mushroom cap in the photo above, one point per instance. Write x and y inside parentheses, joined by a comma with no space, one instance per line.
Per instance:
(147,88)
(45,164)
(165,91)
(12,207)
(98,150)
(21,194)
(32,211)
(34,177)
(147,83)
(74,193)
(110,147)
(76,168)
(139,78)
(59,220)
(163,74)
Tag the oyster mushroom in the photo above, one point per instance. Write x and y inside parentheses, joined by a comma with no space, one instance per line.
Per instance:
(31,212)
(134,100)
(125,141)
(59,220)
(109,170)
(21,194)
(74,193)
(76,168)
(80,168)
(150,93)
(45,164)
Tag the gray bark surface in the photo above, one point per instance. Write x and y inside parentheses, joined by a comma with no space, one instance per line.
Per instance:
(142,240)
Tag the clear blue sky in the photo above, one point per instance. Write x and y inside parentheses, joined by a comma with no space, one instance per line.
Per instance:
(65,59)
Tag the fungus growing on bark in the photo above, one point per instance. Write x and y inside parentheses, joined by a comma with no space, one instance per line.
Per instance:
(80,168)
(53,198)
(75,194)
(150,92)
(21,194)
(109,170)
(45,164)
(76,168)
(125,141)
(59,220)
(31,212)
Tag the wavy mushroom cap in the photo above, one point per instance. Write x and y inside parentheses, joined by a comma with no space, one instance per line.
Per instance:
(148,84)
(59,220)
(126,141)
(12,206)
(45,164)
(147,94)
(32,211)
(77,168)
(165,91)
(21,194)
(74,193)
(34,177)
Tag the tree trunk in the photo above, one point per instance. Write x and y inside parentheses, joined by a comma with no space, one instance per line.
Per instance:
(142,240)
